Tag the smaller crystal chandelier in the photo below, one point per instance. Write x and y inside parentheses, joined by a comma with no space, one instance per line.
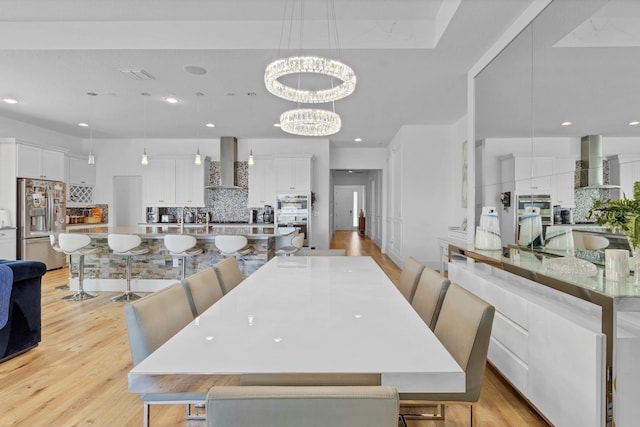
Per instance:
(310,122)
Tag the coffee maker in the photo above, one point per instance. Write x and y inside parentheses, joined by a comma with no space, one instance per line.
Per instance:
(153,215)
(267,216)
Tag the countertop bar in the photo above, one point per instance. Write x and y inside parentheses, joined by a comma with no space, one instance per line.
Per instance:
(531,266)
(198,231)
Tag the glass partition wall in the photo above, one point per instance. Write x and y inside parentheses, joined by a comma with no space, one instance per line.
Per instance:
(554,125)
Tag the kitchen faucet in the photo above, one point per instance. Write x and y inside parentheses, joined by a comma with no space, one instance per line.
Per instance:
(182,217)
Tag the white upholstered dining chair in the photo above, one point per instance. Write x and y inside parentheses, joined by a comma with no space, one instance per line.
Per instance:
(368,406)
(464,328)
(151,321)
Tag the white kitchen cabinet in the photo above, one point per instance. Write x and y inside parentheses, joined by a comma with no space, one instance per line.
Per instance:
(190,180)
(161,182)
(530,175)
(38,163)
(8,243)
(80,172)
(262,189)
(293,174)
(624,170)
(564,170)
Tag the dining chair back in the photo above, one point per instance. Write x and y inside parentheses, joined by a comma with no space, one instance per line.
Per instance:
(429,295)
(154,319)
(367,406)
(151,321)
(203,290)
(409,277)
(464,328)
(229,274)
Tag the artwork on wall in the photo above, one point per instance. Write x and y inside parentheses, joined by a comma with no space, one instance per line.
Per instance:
(465,168)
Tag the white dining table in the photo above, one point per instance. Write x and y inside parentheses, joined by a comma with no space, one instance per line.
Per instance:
(334,314)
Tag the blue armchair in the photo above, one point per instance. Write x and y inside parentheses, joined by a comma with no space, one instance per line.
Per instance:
(22,330)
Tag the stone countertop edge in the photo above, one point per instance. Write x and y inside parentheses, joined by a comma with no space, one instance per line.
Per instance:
(158,232)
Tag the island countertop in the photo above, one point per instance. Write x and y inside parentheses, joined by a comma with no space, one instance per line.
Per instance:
(199,232)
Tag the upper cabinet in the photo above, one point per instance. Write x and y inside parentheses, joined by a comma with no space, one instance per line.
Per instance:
(527,175)
(190,182)
(81,179)
(39,163)
(564,171)
(171,182)
(293,174)
(80,172)
(262,190)
(161,182)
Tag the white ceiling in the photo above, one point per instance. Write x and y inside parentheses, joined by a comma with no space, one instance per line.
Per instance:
(579,62)
(410,56)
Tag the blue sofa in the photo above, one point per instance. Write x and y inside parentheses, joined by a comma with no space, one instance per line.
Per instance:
(22,330)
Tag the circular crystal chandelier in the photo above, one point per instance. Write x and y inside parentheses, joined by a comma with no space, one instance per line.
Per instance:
(310,122)
(309,64)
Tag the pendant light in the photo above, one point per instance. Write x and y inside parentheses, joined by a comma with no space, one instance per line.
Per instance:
(91,160)
(198,159)
(145,159)
(250,162)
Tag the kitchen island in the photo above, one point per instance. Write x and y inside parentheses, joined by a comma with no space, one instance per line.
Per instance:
(157,268)
(568,342)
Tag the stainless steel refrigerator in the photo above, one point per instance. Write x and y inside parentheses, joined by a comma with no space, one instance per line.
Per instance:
(41,211)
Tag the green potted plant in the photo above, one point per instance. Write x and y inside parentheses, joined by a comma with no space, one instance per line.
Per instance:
(622,215)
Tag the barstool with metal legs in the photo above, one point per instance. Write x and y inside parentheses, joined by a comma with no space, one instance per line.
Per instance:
(127,245)
(183,246)
(77,245)
(232,245)
(56,247)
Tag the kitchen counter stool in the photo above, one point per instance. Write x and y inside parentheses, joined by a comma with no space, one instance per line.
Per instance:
(232,245)
(56,247)
(183,246)
(127,245)
(77,245)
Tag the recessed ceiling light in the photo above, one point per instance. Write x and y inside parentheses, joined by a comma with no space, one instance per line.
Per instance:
(210,125)
(172,99)
(9,101)
(566,124)
(84,125)
(358,140)
(276,125)
(195,69)
(350,171)
(634,123)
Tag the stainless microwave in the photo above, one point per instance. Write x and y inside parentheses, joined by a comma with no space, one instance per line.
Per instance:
(540,201)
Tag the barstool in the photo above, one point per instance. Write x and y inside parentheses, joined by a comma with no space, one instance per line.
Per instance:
(77,245)
(230,245)
(56,247)
(183,246)
(126,245)
(295,244)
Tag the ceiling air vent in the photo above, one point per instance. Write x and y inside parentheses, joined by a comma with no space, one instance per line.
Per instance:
(138,74)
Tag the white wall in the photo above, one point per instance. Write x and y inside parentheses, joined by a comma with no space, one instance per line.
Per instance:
(26,132)
(421,162)
(358,158)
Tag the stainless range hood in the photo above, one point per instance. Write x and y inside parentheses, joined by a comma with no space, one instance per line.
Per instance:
(592,172)
(228,158)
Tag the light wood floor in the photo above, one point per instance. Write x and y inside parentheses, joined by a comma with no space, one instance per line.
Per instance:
(77,376)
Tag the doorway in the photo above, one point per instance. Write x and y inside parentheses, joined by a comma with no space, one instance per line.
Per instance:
(348,200)
(127,200)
